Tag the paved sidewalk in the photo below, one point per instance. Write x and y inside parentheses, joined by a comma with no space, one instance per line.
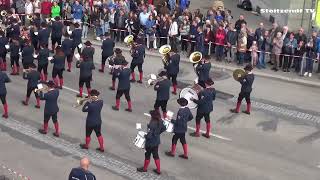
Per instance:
(288,77)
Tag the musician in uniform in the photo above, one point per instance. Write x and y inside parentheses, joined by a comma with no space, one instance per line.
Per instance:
(107,50)
(34,36)
(184,115)
(51,108)
(155,128)
(86,66)
(93,122)
(3,92)
(203,70)
(3,51)
(58,66)
(76,37)
(43,34)
(117,61)
(14,56)
(173,69)
(67,47)
(246,87)
(82,172)
(205,107)
(56,32)
(27,55)
(14,29)
(43,62)
(123,74)
(163,93)
(138,55)
(33,77)
(88,51)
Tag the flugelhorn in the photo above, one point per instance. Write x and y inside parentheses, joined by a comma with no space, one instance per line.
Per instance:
(81,100)
(164,51)
(3,13)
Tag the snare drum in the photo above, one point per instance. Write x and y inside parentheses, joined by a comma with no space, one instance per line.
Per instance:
(169,126)
(191,92)
(140,140)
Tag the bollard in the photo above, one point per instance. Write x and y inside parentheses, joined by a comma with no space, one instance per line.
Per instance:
(209,50)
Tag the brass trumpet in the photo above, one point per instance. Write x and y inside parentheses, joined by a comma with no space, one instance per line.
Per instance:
(164,51)
(3,13)
(81,100)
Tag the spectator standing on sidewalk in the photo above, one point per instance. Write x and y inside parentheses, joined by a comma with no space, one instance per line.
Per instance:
(208,39)
(77,10)
(318,51)
(263,46)
(200,40)
(173,32)
(231,39)
(219,41)
(239,22)
(20,9)
(184,32)
(150,33)
(299,51)
(164,30)
(242,47)
(55,10)
(290,44)
(311,49)
(105,20)
(277,44)
(45,9)
(28,6)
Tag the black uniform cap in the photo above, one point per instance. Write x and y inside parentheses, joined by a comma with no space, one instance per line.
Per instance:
(88,43)
(94,92)
(209,82)
(57,18)
(118,51)
(51,84)
(248,67)
(182,101)
(32,66)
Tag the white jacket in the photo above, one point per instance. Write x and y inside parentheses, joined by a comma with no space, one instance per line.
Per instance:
(173,30)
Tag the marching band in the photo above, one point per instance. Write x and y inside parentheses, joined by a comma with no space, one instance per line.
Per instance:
(33,44)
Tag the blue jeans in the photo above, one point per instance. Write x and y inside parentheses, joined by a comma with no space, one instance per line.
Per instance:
(84,31)
(241,56)
(261,61)
(219,52)
(309,65)
(98,31)
(105,27)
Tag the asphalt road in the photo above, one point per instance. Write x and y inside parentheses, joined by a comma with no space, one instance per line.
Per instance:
(269,144)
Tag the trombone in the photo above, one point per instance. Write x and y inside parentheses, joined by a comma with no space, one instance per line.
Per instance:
(81,100)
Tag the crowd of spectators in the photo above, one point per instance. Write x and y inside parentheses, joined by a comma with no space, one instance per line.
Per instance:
(171,21)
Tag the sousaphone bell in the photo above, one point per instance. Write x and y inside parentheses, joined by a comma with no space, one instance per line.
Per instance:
(238,73)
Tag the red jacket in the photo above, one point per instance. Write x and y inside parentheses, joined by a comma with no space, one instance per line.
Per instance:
(208,36)
(220,37)
(46,8)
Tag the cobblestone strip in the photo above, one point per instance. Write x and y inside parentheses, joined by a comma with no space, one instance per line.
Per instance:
(98,159)
(283,111)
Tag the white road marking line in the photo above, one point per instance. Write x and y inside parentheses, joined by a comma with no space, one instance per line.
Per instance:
(211,134)
(318,166)
(73,90)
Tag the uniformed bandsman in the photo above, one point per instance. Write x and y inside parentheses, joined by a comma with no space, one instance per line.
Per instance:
(14,56)
(3,50)
(58,67)
(138,55)
(27,55)
(88,51)
(107,50)
(86,66)
(76,37)
(184,115)
(117,61)
(56,32)
(3,92)
(43,62)
(173,69)
(44,34)
(14,29)
(34,36)
(67,47)
(82,172)
(33,77)
(203,70)
(163,93)
(51,108)
(205,107)
(155,128)
(246,88)
(93,123)
(123,75)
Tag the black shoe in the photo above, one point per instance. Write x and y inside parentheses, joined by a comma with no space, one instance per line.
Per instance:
(78,95)
(112,88)
(246,112)
(60,87)
(5,116)
(115,108)
(36,106)
(42,131)
(275,69)
(132,80)
(206,135)
(183,156)
(168,153)
(288,70)
(284,70)
(234,111)
(100,150)
(69,70)
(56,134)
(129,110)
(140,82)
(156,171)
(194,134)
(101,70)
(24,103)
(83,146)
(174,93)
(141,169)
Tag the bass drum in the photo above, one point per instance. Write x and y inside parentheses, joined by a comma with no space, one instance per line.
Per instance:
(191,92)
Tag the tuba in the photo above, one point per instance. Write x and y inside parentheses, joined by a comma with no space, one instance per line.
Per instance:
(238,73)
(3,13)
(164,51)
(128,40)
